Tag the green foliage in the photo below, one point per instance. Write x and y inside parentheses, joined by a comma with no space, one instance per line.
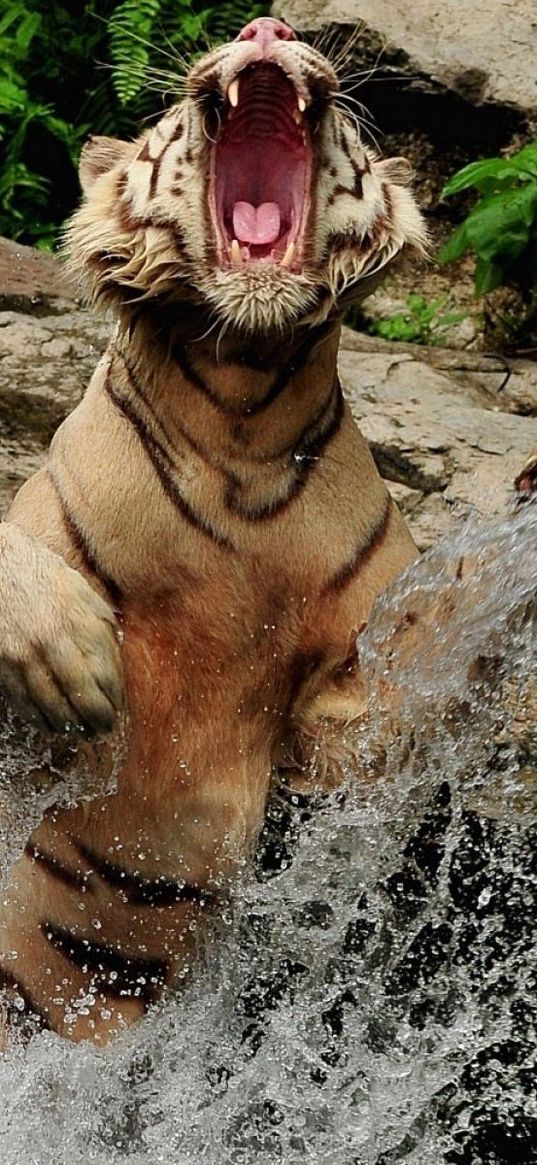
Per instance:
(501,229)
(131,28)
(79,66)
(421,323)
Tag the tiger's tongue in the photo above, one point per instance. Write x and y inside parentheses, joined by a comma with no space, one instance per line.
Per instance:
(256,225)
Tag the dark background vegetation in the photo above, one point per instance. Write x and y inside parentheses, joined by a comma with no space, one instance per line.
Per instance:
(87,66)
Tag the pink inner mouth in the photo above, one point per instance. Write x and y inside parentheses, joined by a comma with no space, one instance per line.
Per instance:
(261,169)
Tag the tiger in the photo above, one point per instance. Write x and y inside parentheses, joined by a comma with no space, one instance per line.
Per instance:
(186,575)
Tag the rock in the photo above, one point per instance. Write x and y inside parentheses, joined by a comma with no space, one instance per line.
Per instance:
(519,391)
(438,431)
(493,381)
(18,461)
(49,346)
(31,279)
(45,365)
(486,55)
(449,430)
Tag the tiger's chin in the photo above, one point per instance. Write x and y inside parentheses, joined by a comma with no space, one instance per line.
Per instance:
(260,297)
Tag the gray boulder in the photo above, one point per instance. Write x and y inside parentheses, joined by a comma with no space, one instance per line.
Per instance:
(485,53)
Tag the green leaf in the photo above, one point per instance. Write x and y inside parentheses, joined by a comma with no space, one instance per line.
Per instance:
(496,169)
(131,27)
(499,226)
(11,17)
(526,159)
(456,246)
(487,276)
(450,319)
(19,175)
(193,25)
(12,97)
(27,30)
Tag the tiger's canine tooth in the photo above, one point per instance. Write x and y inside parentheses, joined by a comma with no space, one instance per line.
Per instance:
(289,255)
(301,104)
(236,254)
(233,93)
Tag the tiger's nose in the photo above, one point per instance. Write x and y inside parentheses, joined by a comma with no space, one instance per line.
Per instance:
(265,31)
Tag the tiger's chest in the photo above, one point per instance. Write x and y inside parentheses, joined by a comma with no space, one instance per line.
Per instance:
(218,654)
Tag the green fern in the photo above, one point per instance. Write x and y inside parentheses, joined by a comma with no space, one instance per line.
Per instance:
(131,29)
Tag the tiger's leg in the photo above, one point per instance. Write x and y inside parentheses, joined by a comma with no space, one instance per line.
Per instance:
(60,666)
(325,732)
(101,927)
(59,657)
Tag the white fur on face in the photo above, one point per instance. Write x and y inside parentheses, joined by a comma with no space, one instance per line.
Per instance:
(144,230)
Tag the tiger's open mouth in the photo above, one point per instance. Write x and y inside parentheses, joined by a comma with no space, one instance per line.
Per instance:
(261,167)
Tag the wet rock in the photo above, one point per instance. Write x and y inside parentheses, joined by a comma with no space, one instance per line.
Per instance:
(49,346)
(442,425)
(488,59)
(31,280)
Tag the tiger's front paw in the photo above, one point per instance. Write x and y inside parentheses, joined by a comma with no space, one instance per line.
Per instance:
(60,663)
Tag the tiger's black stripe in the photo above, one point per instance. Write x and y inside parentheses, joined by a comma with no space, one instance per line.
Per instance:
(30,1011)
(290,369)
(337,192)
(162,464)
(130,222)
(138,891)
(294,445)
(356,190)
(194,444)
(306,455)
(112,971)
(362,555)
(81,544)
(145,156)
(281,381)
(194,378)
(303,666)
(74,879)
(157,162)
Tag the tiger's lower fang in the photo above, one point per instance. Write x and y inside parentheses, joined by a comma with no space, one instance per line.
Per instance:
(288,258)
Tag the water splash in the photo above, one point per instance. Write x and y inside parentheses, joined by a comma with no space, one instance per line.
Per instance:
(35,776)
(371,999)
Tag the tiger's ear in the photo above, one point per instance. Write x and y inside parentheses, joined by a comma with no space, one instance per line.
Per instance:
(396,170)
(100,155)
